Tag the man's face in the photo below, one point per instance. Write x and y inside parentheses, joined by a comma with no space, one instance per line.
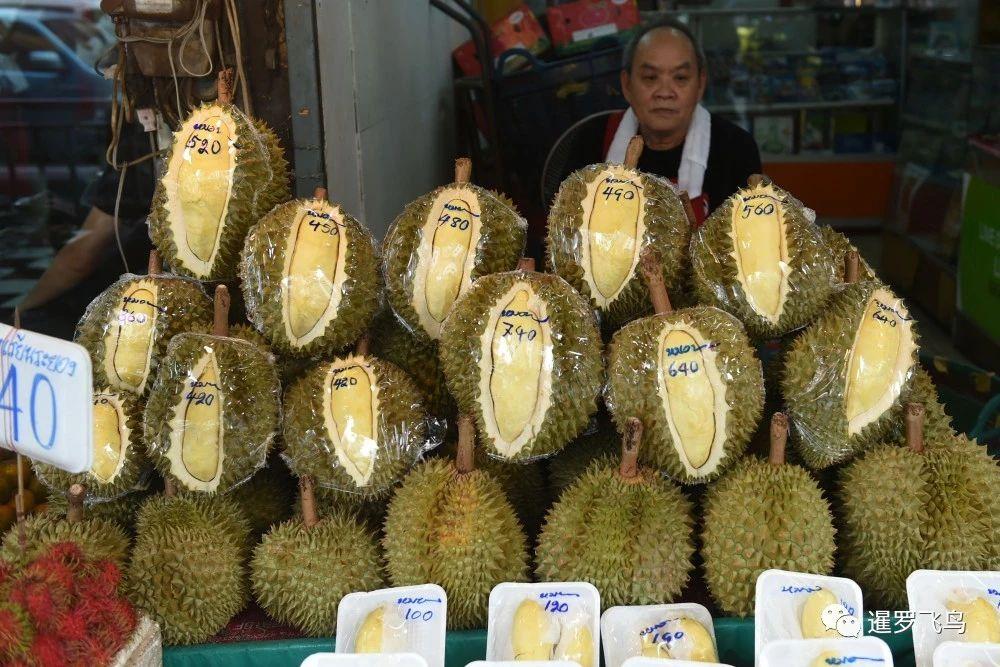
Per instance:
(664,86)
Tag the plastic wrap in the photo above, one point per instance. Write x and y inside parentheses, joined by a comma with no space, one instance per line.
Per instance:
(952,606)
(956,654)
(826,653)
(409,619)
(601,220)
(521,354)
(224,171)
(796,605)
(844,376)
(364,660)
(213,412)
(127,327)
(440,244)
(694,381)
(311,277)
(551,621)
(658,631)
(662,662)
(760,258)
(356,424)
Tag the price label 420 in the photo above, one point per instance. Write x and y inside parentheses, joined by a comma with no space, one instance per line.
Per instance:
(46,399)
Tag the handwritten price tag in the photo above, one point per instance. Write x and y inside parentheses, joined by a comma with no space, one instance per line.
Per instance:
(46,399)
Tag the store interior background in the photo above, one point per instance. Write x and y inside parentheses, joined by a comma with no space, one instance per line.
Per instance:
(864,111)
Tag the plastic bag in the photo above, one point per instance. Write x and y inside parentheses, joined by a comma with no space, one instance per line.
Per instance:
(629,632)
(826,652)
(412,619)
(952,606)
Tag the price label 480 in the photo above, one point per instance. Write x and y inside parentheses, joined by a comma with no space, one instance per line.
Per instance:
(46,399)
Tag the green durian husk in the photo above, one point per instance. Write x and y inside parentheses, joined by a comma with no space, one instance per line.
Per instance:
(633,387)
(631,538)
(813,271)
(187,568)
(331,501)
(183,306)
(260,181)
(501,245)
(267,498)
(840,245)
(262,270)
(458,531)
(761,516)
(299,574)
(121,511)
(577,363)
(402,430)
(98,539)
(906,511)
(569,464)
(667,229)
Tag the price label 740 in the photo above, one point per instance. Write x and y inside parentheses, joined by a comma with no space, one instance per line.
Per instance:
(46,410)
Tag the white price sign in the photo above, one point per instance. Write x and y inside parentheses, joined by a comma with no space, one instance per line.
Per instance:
(46,410)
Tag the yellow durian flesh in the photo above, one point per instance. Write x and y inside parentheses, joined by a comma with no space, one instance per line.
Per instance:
(197,449)
(533,633)
(812,621)
(369,637)
(680,639)
(577,645)
(351,415)
(128,342)
(612,231)
(760,249)
(111,437)
(982,620)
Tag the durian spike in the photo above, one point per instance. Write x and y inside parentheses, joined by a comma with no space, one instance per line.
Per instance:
(363,345)
(465,458)
(463,170)
(75,496)
(220,326)
(915,427)
(688,209)
(227,78)
(629,467)
(169,487)
(319,193)
(306,494)
(526,264)
(155,265)
(633,152)
(649,261)
(851,267)
(779,436)
(757,180)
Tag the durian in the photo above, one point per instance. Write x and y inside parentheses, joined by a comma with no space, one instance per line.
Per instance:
(855,268)
(928,505)
(680,639)
(441,243)
(384,630)
(451,524)
(576,644)
(224,171)
(534,633)
(763,515)
(354,424)
(119,451)
(311,277)
(187,570)
(522,355)
(814,620)
(692,378)
(981,618)
(213,412)
(127,327)
(759,258)
(623,528)
(844,376)
(602,218)
(599,441)
(121,511)
(302,568)
(266,499)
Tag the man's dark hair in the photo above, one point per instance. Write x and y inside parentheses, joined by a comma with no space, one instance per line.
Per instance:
(666,22)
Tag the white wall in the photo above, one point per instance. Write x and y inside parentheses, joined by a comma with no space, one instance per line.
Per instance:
(386,85)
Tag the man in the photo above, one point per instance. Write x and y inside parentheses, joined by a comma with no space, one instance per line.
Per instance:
(663,78)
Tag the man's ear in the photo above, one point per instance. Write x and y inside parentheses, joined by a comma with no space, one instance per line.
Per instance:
(625,86)
(702,83)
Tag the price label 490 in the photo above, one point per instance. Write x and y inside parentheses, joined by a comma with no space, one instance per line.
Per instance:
(46,399)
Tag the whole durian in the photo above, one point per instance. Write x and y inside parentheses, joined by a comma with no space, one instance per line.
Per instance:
(187,569)
(127,327)
(763,515)
(266,499)
(602,218)
(121,511)
(841,247)
(355,424)
(303,567)
(213,412)
(928,505)
(224,171)
(693,380)
(441,243)
(759,258)
(845,375)
(621,527)
(452,525)
(119,451)
(522,355)
(331,501)
(311,277)
(599,441)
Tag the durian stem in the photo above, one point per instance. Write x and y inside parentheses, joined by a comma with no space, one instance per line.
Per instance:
(779,436)
(652,273)
(463,170)
(155,265)
(363,345)
(75,497)
(465,456)
(526,264)
(915,427)
(308,498)
(688,209)
(633,152)
(225,85)
(851,267)
(169,487)
(757,180)
(220,327)
(319,193)
(629,467)
(19,498)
